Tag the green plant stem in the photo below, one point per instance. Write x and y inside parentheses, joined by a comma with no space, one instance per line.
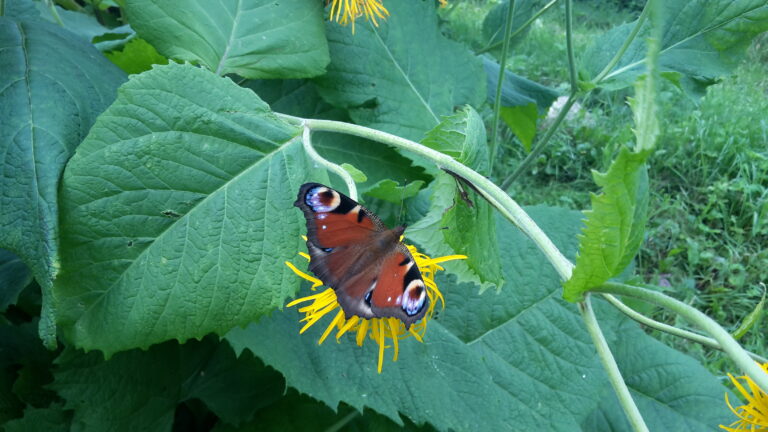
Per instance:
(619,54)
(542,144)
(495,196)
(500,83)
(609,363)
(52,7)
(315,156)
(698,318)
(685,334)
(522,28)
(569,46)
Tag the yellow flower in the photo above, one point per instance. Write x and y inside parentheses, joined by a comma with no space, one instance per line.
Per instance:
(347,11)
(754,415)
(378,329)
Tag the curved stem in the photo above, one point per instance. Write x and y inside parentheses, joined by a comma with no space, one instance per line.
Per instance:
(698,318)
(500,82)
(666,328)
(522,28)
(609,363)
(495,196)
(341,172)
(619,54)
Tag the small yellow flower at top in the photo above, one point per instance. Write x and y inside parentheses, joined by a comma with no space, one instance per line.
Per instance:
(347,11)
(378,329)
(754,415)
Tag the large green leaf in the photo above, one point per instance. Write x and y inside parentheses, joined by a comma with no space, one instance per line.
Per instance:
(177,213)
(701,41)
(252,38)
(52,88)
(459,221)
(139,390)
(519,360)
(403,75)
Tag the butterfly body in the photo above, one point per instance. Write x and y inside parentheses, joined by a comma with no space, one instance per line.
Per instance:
(353,252)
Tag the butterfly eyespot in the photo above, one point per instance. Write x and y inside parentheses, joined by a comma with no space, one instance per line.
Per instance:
(322,199)
(414,297)
(328,250)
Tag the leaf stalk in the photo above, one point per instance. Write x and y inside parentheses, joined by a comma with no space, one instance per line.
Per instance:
(500,82)
(338,170)
(609,363)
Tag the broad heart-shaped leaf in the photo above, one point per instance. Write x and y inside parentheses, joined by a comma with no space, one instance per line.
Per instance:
(252,38)
(459,221)
(701,41)
(380,163)
(519,360)
(401,76)
(52,87)
(177,213)
(615,224)
(139,390)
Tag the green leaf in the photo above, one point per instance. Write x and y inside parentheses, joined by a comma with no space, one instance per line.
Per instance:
(47,107)
(251,38)
(522,121)
(177,213)
(462,137)
(494,22)
(614,226)
(152,383)
(357,175)
(52,419)
(401,76)
(488,362)
(672,391)
(389,190)
(751,319)
(136,57)
(459,221)
(517,91)
(701,39)
(14,277)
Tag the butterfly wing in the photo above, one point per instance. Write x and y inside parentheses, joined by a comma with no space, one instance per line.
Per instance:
(352,251)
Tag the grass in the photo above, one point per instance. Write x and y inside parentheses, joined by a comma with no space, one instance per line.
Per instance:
(705,241)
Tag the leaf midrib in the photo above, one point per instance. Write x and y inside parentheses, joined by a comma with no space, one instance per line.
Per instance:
(402,72)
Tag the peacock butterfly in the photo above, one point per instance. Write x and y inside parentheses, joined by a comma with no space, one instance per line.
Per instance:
(352,251)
